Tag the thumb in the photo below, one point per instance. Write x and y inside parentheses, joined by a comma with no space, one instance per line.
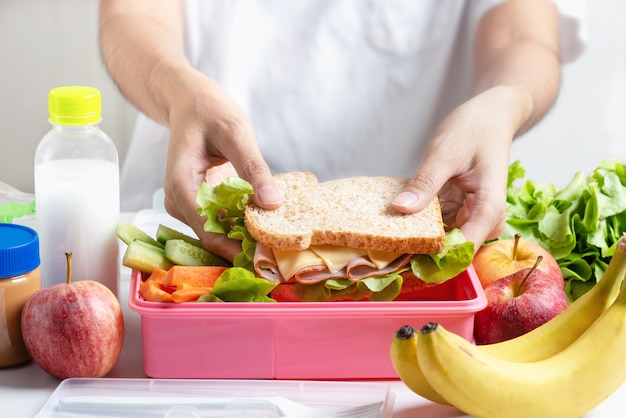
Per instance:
(256,171)
(417,192)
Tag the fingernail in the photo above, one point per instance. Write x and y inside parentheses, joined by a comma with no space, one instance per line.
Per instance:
(269,195)
(405,199)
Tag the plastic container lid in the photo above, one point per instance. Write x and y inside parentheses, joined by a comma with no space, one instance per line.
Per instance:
(166,398)
(74,105)
(19,250)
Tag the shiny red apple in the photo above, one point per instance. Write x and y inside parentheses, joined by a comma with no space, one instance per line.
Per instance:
(501,258)
(517,304)
(74,329)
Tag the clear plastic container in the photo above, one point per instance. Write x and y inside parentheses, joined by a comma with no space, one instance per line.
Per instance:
(233,398)
(77,191)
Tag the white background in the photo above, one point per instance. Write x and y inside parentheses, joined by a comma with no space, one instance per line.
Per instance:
(49,43)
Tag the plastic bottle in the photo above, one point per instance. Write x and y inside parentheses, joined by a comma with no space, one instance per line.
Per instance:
(77,191)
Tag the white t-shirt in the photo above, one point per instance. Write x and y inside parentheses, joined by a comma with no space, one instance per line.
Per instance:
(336,87)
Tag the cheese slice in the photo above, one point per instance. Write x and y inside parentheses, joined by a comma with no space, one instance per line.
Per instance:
(336,258)
(382,259)
(289,262)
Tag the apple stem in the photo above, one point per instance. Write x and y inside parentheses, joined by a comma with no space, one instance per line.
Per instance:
(68,257)
(533,268)
(517,237)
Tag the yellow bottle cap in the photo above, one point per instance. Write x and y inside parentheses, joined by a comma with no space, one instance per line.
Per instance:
(74,105)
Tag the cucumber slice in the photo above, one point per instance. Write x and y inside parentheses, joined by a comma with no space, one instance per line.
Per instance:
(185,254)
(128,233)
(145,257)
(165,233)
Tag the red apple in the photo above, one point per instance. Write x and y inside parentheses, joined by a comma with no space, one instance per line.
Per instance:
(74,329)
(501,258)
(518,303)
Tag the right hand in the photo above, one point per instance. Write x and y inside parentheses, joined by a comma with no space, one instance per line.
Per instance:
(211,138)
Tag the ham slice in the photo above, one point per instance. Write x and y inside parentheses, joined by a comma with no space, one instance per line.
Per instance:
(265,263)
(362,268)
(357,269)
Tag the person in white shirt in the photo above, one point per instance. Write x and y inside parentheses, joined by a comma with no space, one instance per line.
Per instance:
(432,90)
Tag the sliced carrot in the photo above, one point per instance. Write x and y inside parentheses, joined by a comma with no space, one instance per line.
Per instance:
(192,276)
(157,275)
(180,283)
(190,294)
(152,291)
(185,286)
(158,278)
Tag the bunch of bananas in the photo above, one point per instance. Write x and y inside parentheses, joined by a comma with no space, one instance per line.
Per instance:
(563,368)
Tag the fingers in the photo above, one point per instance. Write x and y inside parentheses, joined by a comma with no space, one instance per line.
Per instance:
(481,219)
(182,206)
(220,245)
(461,209)
(480,230)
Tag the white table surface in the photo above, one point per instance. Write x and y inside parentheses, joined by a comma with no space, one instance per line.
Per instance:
(24,389)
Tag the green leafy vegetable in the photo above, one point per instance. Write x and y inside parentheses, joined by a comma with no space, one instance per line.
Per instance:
(456,256)
(248,245)
(223,205)
(13,210)
(579,224)
(383,288)
(237,284)
(380,288)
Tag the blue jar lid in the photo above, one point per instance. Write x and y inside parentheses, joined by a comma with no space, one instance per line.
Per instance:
(19,250)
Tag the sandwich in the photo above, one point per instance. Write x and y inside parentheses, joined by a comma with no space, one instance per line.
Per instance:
(338,240)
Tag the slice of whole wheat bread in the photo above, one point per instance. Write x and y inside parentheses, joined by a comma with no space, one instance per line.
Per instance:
(353,212)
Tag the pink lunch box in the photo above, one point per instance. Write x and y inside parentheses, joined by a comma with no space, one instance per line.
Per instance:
(293,340)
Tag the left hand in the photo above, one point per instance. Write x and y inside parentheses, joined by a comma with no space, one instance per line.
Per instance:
(467,165)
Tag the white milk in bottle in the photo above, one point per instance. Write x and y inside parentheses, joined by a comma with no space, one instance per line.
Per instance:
(77,191)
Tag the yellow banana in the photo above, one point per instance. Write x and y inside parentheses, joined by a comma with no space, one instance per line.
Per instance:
(538,344)
(568,384)
(404,360)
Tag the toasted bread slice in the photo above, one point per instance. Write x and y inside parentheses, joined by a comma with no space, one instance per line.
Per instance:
(353,212)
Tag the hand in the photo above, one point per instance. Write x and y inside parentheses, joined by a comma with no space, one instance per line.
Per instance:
(467,164)
(211,138)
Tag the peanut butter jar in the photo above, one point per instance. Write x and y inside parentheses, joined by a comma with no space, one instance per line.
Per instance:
(19,278)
